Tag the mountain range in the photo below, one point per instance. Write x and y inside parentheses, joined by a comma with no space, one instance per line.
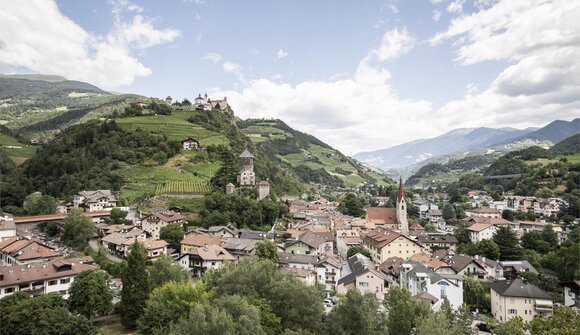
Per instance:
(402,156)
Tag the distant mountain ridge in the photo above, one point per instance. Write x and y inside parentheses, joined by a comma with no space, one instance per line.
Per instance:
(404,156)
(456,140)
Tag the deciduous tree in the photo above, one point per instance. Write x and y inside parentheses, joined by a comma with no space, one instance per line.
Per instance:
(78,230)
(90,294)
(266,249)
(172,234)
(356,314)
(164,269)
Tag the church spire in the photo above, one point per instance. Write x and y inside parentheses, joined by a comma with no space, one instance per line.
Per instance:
(401,192)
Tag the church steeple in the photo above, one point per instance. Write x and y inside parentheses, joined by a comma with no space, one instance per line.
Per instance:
(401,191)
(401,209)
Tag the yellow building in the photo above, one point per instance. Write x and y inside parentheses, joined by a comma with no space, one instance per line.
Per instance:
(383,243)
(517,297)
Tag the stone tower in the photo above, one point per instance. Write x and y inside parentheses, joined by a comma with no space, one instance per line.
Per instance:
(230,188)
(246,175)
(401,209)
(263,189)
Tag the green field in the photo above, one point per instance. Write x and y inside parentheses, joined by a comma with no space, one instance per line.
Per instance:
(16,151)
(174,126)
(575,158)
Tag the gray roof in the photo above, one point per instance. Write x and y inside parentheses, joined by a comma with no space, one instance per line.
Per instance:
(519,266)
(240,244)
(285,258)
(359,264)
(518,288)
(437,238)
(246,154)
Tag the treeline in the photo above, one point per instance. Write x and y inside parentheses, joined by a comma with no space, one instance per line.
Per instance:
(242,210)
(85,156)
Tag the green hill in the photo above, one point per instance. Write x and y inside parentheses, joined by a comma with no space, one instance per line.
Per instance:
(311,159)
(37,106)
(15,149)
(571,145)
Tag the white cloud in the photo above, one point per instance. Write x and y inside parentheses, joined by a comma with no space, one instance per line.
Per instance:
(199,38)
(456,6)
(436,15)
(436,1)
(541,40)
(353,113)
(234,69)
(281,53)
(393,8)
(213,57)
(394,44)
(41,39)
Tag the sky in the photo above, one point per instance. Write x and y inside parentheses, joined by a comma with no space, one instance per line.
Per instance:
(360,75)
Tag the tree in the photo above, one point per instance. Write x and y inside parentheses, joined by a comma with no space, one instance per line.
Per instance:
(168,303)
(38,204)
(403,314)
(357,250)
(78,230)
(550,236)
(437,324)
(544,192)
(533,240)
(430,228)
(352,205)
(172,234)
(565,321)
(90,295)
(488,249)
(46,314)
(118,216)
(298,306)
(266,249)
(507,214)
(164,269)
(509,246)
(474,294)
(448,212)
(135,286)
(356,314)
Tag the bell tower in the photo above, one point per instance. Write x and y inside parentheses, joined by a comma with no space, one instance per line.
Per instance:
(401,209)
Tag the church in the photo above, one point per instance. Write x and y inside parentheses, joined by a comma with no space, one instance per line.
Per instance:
(392,218)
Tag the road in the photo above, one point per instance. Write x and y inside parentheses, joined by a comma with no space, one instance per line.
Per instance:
(95,246)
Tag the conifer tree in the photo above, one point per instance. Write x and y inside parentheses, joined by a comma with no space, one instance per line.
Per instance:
(508,243)
(135,286)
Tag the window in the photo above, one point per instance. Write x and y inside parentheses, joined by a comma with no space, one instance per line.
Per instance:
(363,284)
(513,311)
(52,282)
(9,290)
(65,281)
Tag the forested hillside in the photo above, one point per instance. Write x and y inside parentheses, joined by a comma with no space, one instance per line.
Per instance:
(570,145)
(312,160)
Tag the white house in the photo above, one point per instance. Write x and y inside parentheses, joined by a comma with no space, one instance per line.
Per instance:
(360,273)
(190,144)
(94,201)
(7,228)
(153,223)
(42,278)
(199,260)
(328,270)
(572,293)
(419,279)
(481,231)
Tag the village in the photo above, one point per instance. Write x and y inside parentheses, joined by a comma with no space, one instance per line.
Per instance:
(320,246)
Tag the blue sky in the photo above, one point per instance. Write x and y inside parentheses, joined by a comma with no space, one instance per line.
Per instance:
(360,75)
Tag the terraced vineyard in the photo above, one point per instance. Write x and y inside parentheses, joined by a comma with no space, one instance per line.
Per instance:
(174,126)
(182,187)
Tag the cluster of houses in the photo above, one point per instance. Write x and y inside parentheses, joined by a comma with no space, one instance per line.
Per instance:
(544,206)
(313,249)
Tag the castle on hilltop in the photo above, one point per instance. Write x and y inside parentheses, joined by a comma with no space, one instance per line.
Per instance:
(201,103)
(205,104)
